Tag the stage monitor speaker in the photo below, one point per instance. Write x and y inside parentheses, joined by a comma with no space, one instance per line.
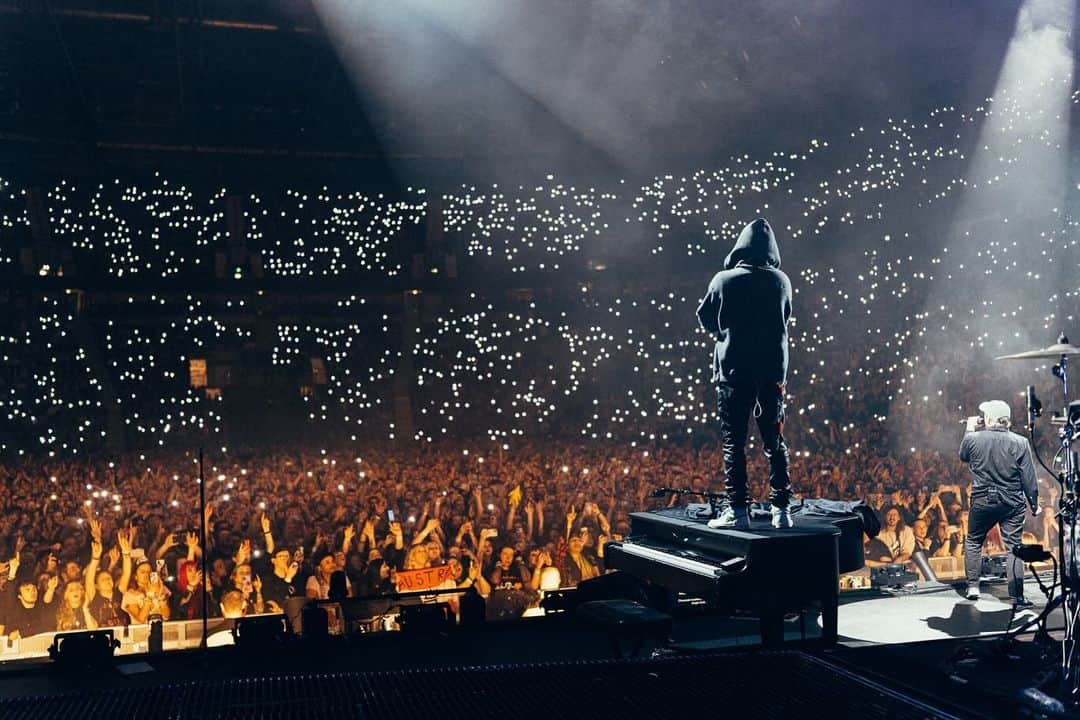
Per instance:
(612,586)
(994,565)
(505,604)
(90,648)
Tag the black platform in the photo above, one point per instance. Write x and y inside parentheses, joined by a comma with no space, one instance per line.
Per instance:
(553,667)
(761,569)
(785,684)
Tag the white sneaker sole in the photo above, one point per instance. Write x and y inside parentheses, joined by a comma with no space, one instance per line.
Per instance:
(734,525)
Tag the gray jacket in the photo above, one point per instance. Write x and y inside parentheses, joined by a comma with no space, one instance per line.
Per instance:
(1000,461)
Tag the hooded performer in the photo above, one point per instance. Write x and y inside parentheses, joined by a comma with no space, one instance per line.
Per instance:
(747,307)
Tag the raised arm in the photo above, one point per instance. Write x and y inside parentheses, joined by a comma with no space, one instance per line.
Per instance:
(429,527)
(90,572)
(515,500)
(268,535)
(123,539)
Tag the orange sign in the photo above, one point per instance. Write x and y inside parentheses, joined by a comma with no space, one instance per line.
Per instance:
(423,579)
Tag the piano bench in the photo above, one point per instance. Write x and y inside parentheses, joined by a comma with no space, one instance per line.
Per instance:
(625,620)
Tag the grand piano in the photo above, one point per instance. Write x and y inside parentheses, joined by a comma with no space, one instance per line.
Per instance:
(765,571)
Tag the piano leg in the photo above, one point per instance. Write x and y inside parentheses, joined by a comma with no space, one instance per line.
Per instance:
(771,624)
(830,601)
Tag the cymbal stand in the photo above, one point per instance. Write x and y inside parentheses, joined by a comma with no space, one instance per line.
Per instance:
(1067,514)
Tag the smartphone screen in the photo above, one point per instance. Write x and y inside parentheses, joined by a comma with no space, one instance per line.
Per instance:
(390,515)
(154,578)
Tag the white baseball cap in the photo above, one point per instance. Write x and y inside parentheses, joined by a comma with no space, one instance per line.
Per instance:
(996,410)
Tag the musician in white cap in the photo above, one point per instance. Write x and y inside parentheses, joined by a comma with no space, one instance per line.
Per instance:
(1003,483)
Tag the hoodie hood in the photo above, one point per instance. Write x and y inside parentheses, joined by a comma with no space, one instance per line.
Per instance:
(756,247)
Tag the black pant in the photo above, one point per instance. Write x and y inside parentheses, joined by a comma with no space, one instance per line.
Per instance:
(737,400)
(986,511)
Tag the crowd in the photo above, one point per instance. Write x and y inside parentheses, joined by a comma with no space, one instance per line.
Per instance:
(540,417)
(93,542)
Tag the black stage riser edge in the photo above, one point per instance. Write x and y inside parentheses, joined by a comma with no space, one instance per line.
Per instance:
(781,684)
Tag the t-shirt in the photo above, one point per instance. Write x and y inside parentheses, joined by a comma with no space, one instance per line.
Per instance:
(517,573)
(136,597)
(899,542)
(276,589)
(321,591)
(75,621)
(107,611)
(40,618)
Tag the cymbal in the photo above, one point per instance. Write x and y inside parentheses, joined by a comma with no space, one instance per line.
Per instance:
(1054,351)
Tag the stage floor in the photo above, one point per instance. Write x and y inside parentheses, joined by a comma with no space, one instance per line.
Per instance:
(901,649)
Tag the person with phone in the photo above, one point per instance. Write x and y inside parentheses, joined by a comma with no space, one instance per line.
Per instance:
(1003,483)
(278,583)
(149,596)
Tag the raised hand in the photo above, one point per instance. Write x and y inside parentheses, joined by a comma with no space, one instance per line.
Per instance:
(571,516)
(265,523)
(95,529)
(350,533)
(95,549)
(123,539)
(52,583)
(244,553)
(257,584)
(191,539)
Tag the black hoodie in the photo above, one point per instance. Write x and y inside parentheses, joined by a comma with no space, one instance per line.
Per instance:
(747,306)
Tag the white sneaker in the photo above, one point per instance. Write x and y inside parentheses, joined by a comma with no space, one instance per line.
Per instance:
(732,517)
(973,592)
(781,518)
